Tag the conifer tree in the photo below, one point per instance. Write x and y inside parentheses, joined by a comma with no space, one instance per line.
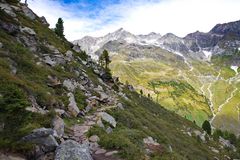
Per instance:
(206,126)
(59,28)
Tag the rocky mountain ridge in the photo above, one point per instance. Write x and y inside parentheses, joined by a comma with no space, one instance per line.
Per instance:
(222,39)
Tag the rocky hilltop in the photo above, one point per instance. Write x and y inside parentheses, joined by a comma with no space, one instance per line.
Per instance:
(57,103)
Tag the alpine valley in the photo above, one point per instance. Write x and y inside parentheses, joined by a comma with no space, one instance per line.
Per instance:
(196,76)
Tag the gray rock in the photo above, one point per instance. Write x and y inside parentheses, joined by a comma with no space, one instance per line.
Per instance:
(76,48)
(103,96)
(69,55)
(108,118)
(71,150)
(7,8)
(44,21)
(1,45)
(100,151)
(71,85)
(53,49)
(109,130)
(28,12)
(72,107)
(58,126)
(120,106)
(48,60)
(42,137)
(150,141)
(35,107)
(28,30)
(226,143)
(94,138)
(111,153)
(94,146)
(9,28)
(200,135)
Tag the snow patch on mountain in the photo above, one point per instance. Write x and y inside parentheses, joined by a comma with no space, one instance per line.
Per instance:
(235,68)
(208,55)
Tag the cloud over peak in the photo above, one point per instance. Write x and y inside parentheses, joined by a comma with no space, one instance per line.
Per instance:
(97,17)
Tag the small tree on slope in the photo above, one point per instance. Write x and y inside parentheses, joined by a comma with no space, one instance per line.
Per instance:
(206,126)
(59,28)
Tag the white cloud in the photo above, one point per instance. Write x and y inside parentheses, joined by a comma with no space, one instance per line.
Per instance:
(177,16)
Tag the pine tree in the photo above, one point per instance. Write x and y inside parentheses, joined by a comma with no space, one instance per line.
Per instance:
(104,59)
(59,28)
(206,126)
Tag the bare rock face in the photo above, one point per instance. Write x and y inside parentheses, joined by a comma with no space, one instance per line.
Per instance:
(71,150)
(72,107)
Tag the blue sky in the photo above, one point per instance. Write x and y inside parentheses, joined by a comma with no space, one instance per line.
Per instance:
(99,17)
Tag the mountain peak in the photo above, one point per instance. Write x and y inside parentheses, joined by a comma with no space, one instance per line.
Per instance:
(225,28)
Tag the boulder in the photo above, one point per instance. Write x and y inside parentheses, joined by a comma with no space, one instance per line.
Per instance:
(1,45)
(200,135)
(94,138)
(72,107)
(71,150)
(53,81)
(53,49)
(28,30)
(100,151)
(48,60)
(111,153)
(120,106)
(69,55)
(42,137)
(109,130)
(58,126)
(71,85)
(108,118)
(28,12)
(44,21)
(76,48)
(103,97)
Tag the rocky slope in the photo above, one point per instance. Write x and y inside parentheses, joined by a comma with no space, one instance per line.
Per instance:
(57,103)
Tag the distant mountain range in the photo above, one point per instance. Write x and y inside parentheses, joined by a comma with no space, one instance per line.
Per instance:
(222,39)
